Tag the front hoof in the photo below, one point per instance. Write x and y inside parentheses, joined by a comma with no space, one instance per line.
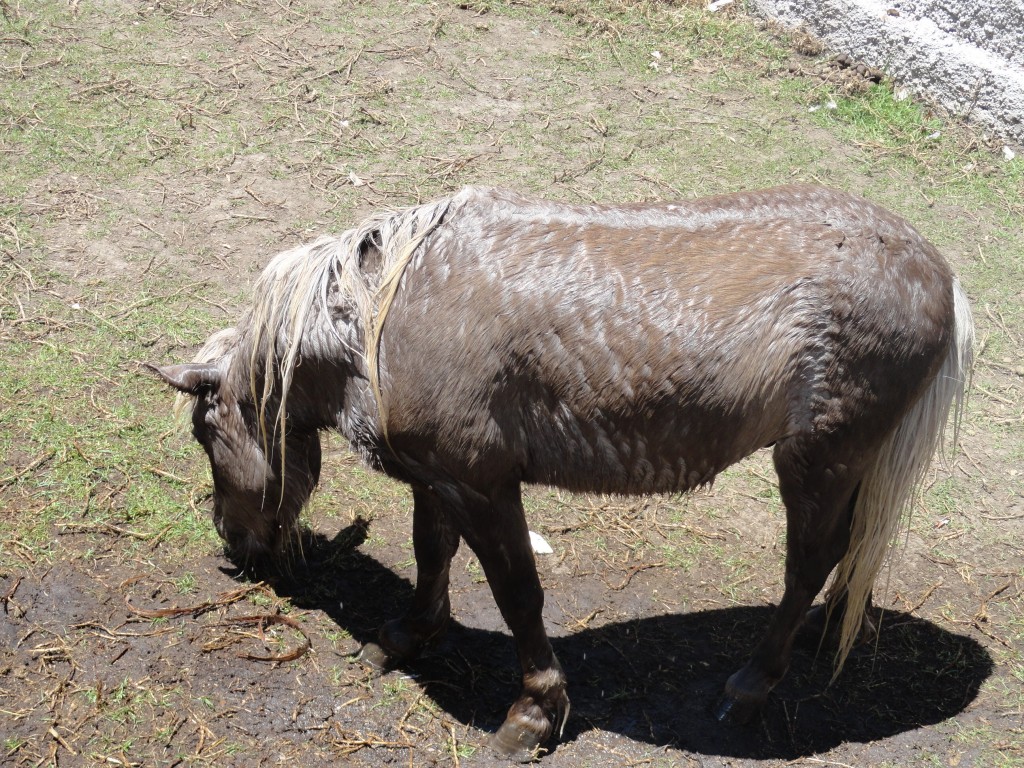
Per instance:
(375,656)
(517,742)
(399,643)
(529,725)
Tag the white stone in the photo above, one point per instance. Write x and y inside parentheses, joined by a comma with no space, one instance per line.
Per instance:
(967,55)
(540,547)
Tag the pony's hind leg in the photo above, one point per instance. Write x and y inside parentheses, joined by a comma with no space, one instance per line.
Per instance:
(817,489)
(495,529)
(823,621)
(435,542)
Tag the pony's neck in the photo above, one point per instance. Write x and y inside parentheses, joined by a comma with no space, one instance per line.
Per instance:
(355,415)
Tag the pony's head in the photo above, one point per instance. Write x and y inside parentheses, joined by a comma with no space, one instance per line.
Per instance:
(261,391)
(260,482)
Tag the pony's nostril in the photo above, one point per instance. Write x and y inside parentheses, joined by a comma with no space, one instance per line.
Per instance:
(243,547)
(218,523)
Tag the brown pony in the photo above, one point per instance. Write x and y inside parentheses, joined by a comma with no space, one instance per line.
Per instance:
(484,340)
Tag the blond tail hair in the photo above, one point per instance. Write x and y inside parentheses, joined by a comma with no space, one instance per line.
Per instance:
(890,487)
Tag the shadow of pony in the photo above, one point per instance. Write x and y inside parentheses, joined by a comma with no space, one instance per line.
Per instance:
(656,679)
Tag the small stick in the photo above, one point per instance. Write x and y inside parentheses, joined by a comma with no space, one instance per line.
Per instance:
(53,732)
(21,473)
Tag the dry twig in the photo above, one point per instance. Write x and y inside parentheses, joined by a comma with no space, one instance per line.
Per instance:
(226,598)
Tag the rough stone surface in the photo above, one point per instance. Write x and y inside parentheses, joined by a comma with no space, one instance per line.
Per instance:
(967,55)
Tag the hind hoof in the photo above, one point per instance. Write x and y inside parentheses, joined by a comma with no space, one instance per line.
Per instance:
(736,711)
(745,693)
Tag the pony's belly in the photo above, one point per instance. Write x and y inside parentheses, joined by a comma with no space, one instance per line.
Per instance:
(600,458)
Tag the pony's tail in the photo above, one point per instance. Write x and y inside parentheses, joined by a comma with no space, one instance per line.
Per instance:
(890,487)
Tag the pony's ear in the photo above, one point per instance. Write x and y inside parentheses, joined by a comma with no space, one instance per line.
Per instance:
(370,257)
(189,378)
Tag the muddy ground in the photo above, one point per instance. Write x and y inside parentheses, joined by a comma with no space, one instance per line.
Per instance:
(265,125)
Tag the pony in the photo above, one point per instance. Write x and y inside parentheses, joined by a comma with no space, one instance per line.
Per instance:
(483,340)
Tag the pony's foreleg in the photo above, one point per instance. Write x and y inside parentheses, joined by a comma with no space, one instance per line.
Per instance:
(498,534)
(435,541)
(817,494)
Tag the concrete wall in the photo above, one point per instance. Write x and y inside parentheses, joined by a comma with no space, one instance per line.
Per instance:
(967,55)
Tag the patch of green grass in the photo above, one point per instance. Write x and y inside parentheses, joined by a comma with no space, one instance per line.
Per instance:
(465,751)
(878,117)
(686,550)
(91,433)
(905,135)
(943,500)
(84,110)
(393,691)
(185,583)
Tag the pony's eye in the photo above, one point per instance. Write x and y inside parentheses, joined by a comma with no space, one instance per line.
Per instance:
(210,417)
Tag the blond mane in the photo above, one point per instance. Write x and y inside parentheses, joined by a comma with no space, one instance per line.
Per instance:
(291,313)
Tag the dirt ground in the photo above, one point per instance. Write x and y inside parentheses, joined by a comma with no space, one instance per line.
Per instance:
(268,125)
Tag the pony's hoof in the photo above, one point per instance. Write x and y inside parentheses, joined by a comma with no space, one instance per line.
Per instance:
(398,643)
(396,646)
(744,696)
(516,742)
(736,711)
(375,656)
(529,725)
